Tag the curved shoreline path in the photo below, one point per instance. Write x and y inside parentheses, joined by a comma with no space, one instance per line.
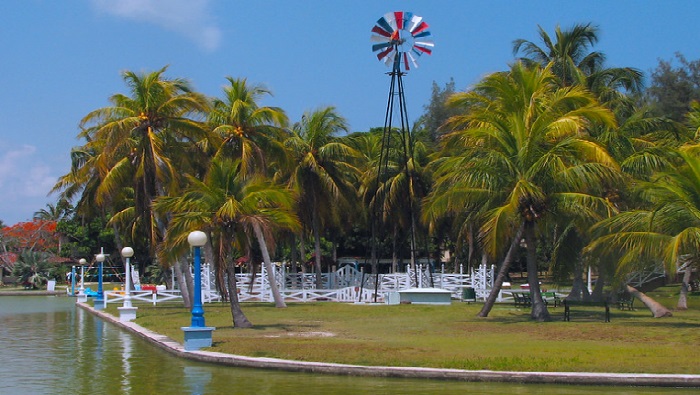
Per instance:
(575,378)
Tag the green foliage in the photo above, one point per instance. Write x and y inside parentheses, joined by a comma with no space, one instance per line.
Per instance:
(673,87)
(32,268)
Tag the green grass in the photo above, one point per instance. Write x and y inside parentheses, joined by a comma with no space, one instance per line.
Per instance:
(452,336)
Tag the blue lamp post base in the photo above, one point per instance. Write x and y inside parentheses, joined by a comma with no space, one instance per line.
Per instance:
(197,337)
(99,304)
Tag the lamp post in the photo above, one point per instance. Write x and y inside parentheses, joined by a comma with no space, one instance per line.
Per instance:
(82,297)
(197,335)
(99,299)
(127,312)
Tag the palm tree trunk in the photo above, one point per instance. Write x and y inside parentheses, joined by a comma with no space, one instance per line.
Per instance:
(187,274)
(685,285)
(539,308)
(656,308)
(239,318)
(578,289)
(597,294)
(279,301)
(182,284)
(502,274)
(317,249)
(295,259)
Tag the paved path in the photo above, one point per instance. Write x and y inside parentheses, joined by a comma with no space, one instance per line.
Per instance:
(626,379)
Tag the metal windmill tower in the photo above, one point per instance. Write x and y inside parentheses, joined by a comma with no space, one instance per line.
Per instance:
(399,39)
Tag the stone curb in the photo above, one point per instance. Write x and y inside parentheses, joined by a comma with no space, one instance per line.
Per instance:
(573,378)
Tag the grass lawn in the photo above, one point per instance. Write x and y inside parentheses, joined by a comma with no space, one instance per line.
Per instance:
(452,336)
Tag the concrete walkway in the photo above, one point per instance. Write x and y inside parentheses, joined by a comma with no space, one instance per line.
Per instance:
(574,378)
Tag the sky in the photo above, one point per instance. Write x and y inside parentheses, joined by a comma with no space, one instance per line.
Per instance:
(59,60)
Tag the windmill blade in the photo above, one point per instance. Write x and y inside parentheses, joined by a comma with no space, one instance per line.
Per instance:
(384,24)
(379,39)
(413,60)
(386,52)
(421,27)
(424,33)
(377,47)
(415,20)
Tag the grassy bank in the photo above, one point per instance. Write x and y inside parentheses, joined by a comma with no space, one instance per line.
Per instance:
(452,336)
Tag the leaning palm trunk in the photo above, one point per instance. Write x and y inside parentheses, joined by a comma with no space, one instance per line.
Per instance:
(188,279)
(279,301)
(239,318)
(656,308)
(539,308)
(317,249)
(182,284)
(502,273)
(683,297)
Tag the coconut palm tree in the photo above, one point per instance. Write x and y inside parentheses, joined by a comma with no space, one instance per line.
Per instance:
(140,139)
(245,130)
(667,230)
(239,213)
(520,155)
(322,171)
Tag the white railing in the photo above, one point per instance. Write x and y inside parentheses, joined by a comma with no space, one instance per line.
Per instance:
(344,285)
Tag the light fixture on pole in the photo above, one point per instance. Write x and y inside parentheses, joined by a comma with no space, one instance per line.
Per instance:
(127,312)
(100,298)
(197,335)
(82,297)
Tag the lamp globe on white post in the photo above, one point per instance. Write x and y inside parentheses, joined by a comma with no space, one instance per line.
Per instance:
(197,335)
(99,299)
(127,312)
(82,297)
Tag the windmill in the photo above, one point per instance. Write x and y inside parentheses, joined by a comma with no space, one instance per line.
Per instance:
(399,38)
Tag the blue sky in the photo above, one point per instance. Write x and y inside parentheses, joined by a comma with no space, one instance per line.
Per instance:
(62,59)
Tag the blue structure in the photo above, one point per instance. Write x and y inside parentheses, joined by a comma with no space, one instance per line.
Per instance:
(100,298)
(197,335)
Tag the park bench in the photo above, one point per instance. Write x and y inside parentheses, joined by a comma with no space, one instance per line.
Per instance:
(10,280)
(572,303)
(625,301)
(551,297)
(521,299)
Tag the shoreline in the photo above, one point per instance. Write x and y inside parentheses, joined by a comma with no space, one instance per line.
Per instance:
(574,378)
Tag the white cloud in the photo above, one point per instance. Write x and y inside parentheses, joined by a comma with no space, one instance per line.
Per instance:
(190,18)
(25,182)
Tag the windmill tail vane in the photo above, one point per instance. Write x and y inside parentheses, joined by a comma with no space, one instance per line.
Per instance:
(401,38)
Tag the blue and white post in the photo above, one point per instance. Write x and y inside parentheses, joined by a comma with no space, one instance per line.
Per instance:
(127,312)
(82,296)
(72,280)
(100,298)
(197,335)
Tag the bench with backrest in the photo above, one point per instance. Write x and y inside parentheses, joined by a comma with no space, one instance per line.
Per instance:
(10,280)
(568,304)
(522,299)
(625,301)
(551,297)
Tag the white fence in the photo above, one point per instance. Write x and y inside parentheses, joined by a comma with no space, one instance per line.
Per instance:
(344,285)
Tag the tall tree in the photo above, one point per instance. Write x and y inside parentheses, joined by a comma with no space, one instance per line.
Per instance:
(667,230)
(322,171)
(520,157)
(674,87)
(246,130)
(141,140)
(239,213)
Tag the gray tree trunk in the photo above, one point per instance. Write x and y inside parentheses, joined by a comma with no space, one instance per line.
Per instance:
(188,278)
(239,318)
(182,284)
(685,286)
(656,308)
(317,249)
(539,308)
(502,274)
(279,300)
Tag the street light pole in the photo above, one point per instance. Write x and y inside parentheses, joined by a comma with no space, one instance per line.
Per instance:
(127,312)
(197,335)
(82,297)
(99,299)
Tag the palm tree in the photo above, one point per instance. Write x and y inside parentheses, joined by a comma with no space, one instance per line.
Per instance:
(140,142)
(245,130)
(520,158)
(322,171)
(667,230)
(234,211)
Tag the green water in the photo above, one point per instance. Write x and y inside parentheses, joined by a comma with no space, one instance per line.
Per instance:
(48,346)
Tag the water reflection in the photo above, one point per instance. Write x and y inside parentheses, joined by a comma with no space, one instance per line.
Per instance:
(47,345)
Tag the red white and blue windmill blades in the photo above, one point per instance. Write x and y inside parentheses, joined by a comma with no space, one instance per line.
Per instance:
(401,34)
